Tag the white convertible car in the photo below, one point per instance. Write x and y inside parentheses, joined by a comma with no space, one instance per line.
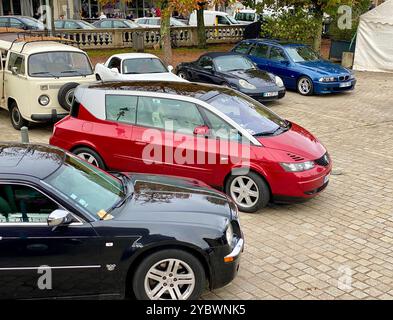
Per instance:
(134,66)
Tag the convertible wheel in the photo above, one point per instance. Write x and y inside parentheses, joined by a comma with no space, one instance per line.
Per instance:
(250,192)
(169,275)
(305,86)
(90,156)
(183,75)
(17,120)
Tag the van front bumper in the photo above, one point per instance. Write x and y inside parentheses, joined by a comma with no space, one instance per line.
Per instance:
(48,117)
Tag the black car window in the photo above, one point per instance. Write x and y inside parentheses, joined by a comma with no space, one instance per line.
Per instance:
(15,23)
(17,61)
(121,108)
(219,128)
(205,62)
(114,63)
(222,20)
(260,51)
(3,22)
(162,113)
(277,54)
(24,204)
(243,47)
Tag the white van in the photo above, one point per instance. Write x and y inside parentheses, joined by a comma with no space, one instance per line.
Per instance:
(213,18)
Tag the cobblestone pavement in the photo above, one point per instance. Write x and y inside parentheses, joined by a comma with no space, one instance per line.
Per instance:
(338,245)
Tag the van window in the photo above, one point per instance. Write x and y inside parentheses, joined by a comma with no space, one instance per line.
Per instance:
(17,61)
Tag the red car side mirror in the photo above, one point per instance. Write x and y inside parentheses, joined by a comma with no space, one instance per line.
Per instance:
(202,131)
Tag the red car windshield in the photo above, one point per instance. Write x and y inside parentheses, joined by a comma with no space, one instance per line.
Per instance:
(248,113)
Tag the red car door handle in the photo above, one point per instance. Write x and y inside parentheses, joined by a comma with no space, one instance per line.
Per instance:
(141,143)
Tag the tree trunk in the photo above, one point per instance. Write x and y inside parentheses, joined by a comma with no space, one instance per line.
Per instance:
(166,33)
(317,40)
(201,31)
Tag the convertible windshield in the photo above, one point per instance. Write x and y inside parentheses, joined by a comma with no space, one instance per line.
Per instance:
(87,186)
(248,113)
(59,64)
(143,65)
(300,54)
(233,62)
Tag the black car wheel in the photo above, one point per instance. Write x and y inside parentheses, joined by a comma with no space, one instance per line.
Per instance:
(169,275)
(305,86)
(249,191)
(90,156)
(182,74)
(66,95)
(17,120)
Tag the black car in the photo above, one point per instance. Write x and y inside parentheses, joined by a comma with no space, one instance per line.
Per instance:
(73,24)
(69,229)
(115,24)
(235,71)
(21,22)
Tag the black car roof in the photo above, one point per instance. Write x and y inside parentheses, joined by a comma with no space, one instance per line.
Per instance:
(30,159)
(220,54)
(189,89)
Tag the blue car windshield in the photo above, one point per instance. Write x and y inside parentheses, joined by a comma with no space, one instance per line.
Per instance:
(301,54)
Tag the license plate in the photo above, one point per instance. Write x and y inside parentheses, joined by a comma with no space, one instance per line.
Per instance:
(326,179)
(270,94)
(345,84)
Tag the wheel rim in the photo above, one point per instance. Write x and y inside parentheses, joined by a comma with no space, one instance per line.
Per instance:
(182,75)
(304,86)
(244,191)
(89,158)
(70,97)
(169,279)
(16,117)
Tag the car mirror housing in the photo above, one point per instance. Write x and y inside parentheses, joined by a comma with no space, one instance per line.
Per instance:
(14,70)
(285,62)
(115,70)
(202,131)
(170,68)
(59,217)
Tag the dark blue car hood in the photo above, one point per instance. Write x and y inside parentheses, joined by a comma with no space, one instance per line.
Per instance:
(324,67)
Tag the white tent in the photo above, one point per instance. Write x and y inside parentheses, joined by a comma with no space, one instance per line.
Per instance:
(374,42)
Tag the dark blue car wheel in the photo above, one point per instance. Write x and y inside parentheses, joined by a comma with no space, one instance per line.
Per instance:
(305,86)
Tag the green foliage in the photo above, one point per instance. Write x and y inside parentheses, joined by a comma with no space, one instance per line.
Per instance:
(295,25)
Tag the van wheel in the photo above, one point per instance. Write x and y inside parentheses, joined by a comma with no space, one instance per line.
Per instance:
(250,192)
(17,120)
(90,156)
(169,275)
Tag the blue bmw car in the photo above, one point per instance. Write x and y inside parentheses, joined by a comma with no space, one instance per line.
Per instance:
(299,67)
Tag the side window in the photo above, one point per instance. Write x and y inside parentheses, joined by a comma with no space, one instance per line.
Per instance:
(17,61)
(59,24)
(141,21)
(182,116)
(277,54)
(119,24)
(114,63)
(15,23)
(121,108)
(106,24)
(23,204)
(71,25)
(260,51)
(242,47)
(220,128)
(205,62)
(3,22)
(222,20)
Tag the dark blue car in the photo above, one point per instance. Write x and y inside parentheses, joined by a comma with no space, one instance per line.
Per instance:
(299,67)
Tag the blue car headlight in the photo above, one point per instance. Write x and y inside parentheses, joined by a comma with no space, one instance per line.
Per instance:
(327,79)
(352,76)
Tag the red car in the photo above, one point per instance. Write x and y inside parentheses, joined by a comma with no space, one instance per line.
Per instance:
(205,132)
